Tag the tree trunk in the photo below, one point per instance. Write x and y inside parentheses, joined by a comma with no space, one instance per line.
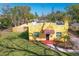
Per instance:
(0,33)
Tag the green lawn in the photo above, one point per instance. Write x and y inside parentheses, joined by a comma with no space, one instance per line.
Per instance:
(16,44)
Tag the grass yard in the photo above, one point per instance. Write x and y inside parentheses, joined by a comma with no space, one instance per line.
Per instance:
(17,44)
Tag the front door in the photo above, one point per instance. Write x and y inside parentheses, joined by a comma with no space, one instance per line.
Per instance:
(47,33)
(47,36)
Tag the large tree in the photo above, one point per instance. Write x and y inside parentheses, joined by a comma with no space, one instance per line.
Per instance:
(5,20)
(73,11)
(18,14)
(53,16)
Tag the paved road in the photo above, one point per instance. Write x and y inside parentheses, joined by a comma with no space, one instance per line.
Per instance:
(74,39)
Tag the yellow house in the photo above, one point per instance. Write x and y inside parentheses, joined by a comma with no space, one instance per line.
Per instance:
(45,31)
(20,28)
(37,31)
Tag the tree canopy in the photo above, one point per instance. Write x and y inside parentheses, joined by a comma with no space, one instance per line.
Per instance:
(73,11)
(16,15)
(21,14)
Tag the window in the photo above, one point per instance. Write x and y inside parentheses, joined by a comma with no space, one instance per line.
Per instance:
(58,35)
(36,34)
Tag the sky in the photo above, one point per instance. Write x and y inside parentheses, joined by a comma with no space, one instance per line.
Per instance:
(40,8)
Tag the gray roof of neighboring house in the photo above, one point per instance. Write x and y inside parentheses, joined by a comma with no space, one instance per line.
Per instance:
(75,24)
(41,19)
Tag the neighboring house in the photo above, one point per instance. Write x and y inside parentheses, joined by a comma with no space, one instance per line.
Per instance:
(74,26)
(40,20)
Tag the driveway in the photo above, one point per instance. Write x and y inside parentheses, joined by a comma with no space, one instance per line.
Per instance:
(74,39)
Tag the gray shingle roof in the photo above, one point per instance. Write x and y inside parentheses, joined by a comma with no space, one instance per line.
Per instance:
(75,24)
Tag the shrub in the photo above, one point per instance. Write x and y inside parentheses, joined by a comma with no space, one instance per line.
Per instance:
(5,23)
